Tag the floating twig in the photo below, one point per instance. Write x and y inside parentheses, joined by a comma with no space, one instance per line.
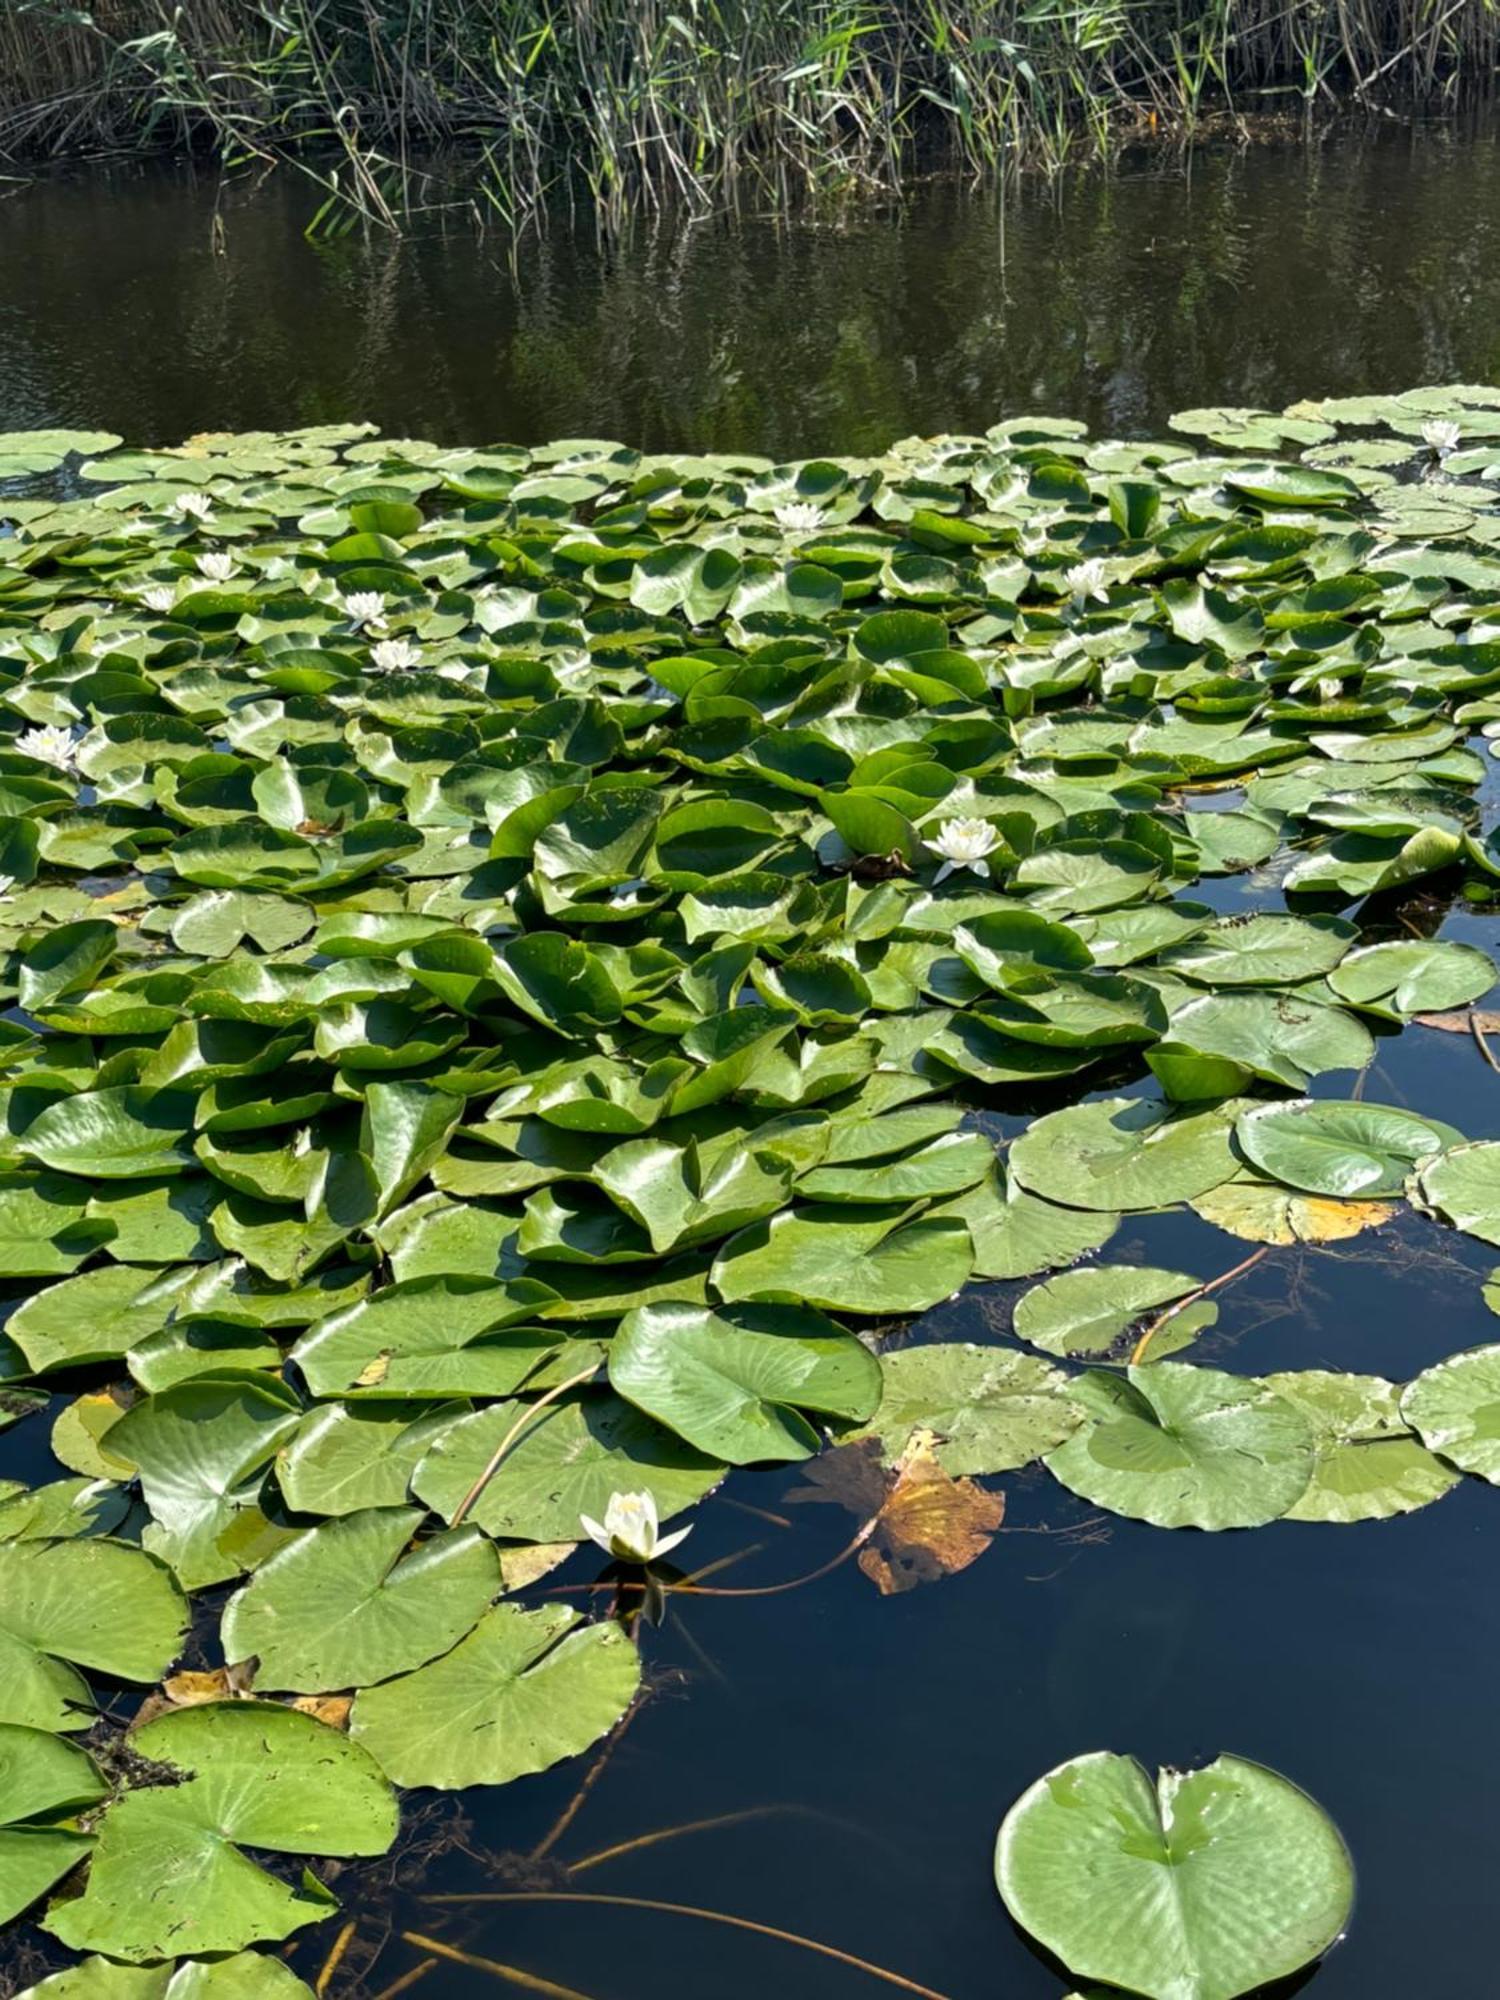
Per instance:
(408,1979)
(654,1839)
(1480,1043)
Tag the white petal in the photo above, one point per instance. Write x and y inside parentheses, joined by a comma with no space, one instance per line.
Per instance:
(943,873)
(595,1533)
(671,1541)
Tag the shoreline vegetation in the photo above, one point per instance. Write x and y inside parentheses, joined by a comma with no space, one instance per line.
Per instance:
(629,104)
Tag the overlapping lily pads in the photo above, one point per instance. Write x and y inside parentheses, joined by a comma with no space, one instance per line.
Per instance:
(524,965)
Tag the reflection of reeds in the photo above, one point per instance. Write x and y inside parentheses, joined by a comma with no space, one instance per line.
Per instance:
(702,101)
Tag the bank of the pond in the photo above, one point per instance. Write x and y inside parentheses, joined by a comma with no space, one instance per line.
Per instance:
(720,101)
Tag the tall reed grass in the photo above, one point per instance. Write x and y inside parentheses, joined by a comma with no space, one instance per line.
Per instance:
(704,101)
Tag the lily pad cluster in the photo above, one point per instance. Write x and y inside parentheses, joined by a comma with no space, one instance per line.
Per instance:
(510,957)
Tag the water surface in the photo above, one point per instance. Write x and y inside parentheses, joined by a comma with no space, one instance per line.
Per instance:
(877,1741)
(158,304)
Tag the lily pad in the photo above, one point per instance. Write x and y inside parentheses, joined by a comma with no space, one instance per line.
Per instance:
(1349,1150)
(1186,1447)
(1454,1407)
(1369,1465)
(168,1874)
(524,1690)
(358,1599)
(1090,1312)
(71,1604)
(735,1383)
(1124,1153)
(989,1409)
(1217,1881)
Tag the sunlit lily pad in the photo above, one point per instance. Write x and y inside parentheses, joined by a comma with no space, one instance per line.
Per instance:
(1454,1407)
(1220,1880)
(168,1874)
(1186,1447)
(1369,1465)
(525,1689)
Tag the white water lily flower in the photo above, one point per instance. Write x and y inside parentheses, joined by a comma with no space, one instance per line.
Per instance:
(799,517)
(218,568)
(58,747)
(365,607)
(394,656)
(1441,435)
(964,843)
(1087,579)
(1330,690)
(629,1531)
(191,506)
(160,597)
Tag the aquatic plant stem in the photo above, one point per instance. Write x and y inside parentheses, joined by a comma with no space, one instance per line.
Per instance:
(407,1980)
(689,1589)
(515,1431)
(532,1982)
(591,1778)
(1138,1352)
(1480,1043)
(848,1958)
(334,1959)
(663,1833)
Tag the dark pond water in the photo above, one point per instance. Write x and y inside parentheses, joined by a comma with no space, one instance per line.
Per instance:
(1369,262)
(869,1745)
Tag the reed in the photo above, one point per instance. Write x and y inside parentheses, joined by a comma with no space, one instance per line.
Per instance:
(641,102)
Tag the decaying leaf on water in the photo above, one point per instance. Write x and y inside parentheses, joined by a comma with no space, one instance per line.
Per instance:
(1262,1212)
(1463,1021)
(923,1524)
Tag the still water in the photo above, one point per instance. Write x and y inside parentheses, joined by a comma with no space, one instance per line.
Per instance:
(859,1750)
(1369,262)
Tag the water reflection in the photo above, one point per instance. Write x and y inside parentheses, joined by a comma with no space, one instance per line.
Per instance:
(1241,276)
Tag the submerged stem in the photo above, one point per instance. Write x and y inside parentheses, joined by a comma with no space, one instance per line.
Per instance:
(334,1960)
(408,1979)
(849,1958)
(513,1974)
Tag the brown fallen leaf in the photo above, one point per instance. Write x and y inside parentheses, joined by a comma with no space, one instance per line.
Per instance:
(192,1690)
(330,1708)
(923,1523)
(1461,1022)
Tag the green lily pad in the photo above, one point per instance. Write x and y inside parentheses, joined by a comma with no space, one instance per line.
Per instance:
(1219,1880)
(1454,1407)
(990,1409)
(1090,1312)
(168,1875)
(71,1604)
(1369,1465)
(1124,1153)
(1344,1150)
(525,1689)
(1186,1447)
(735,1383)
(357,1600)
